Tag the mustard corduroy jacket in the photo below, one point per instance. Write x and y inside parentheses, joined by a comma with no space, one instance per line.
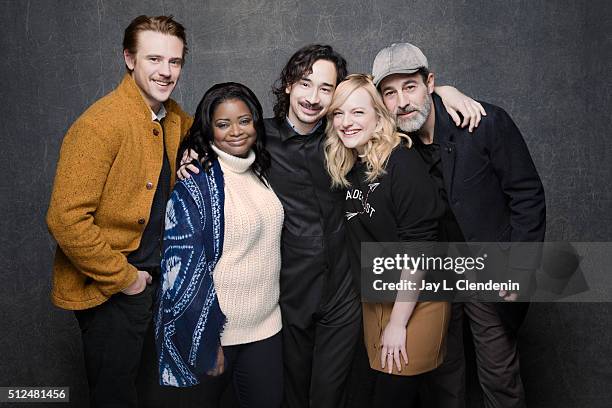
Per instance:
(106,177)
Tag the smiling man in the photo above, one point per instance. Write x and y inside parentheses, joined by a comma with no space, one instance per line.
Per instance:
(113,179)
(320,309)
(492,193)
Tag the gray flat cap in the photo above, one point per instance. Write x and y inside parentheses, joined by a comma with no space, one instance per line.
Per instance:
(398,58)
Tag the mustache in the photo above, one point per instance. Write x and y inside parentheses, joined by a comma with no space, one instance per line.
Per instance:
(408,109)
(311,106)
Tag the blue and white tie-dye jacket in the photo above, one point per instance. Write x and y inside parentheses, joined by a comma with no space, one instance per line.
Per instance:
(188,318)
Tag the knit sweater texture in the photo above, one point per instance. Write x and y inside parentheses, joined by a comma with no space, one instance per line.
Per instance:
(247,275)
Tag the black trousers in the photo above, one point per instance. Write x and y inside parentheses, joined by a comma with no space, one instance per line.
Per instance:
(318,351)
(497,361)
(113,335)
(321,320)
(256,372)
(396,391)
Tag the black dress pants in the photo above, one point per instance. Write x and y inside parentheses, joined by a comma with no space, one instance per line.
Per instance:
(318,351)
(497,361)
(321,320)
(113,334)
(396,391)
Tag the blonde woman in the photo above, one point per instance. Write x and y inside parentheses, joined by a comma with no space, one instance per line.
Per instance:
(390,197)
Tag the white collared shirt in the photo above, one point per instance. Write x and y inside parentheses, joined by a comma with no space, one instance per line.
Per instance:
(298,132)
(160,114)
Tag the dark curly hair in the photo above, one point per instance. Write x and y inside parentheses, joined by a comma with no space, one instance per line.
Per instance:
(200,136)
(300,65)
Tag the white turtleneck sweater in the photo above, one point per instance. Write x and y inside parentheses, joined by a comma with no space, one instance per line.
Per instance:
(247,274)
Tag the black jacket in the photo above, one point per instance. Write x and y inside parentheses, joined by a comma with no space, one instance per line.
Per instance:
(493,188)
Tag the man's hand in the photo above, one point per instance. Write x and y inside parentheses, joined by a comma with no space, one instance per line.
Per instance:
(508,296)
(454,101)
(220,365)
(142,280)
(186,166)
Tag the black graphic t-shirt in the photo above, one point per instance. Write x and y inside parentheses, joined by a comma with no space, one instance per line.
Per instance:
(401,205)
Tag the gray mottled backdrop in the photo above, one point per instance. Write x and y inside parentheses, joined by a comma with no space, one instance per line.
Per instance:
(547,62)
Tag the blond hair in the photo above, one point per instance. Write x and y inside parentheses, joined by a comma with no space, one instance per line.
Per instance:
(339,160)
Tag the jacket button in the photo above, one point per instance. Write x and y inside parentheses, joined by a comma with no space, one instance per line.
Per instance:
(149,185)
(156,132)
(449,149)
(141,221)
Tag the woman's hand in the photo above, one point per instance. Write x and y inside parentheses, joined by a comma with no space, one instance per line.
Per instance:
(393,342)
(454,101)
(189,155)
(219,366)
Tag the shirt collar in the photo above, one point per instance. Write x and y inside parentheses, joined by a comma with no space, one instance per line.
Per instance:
(416,139)
(160,114)
(309,133)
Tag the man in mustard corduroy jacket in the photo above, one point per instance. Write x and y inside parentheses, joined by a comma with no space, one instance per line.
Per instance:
(114,176)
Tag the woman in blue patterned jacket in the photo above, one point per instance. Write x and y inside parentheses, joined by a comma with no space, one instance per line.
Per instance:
(218,317)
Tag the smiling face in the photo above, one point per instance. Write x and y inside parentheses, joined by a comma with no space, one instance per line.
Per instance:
(355,120)
(409,98)
(309,97)
(233,128)
(156,66)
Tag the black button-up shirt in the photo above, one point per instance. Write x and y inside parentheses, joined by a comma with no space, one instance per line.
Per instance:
(315,270)
(449,230)
(148,255)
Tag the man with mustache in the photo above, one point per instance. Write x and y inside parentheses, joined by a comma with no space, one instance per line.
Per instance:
(320,308)
(493,194)
(113,179)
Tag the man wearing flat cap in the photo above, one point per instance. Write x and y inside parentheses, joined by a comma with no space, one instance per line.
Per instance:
(492,193)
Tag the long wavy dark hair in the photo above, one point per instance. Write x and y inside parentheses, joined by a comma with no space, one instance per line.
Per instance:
(300,65)
(200,136)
